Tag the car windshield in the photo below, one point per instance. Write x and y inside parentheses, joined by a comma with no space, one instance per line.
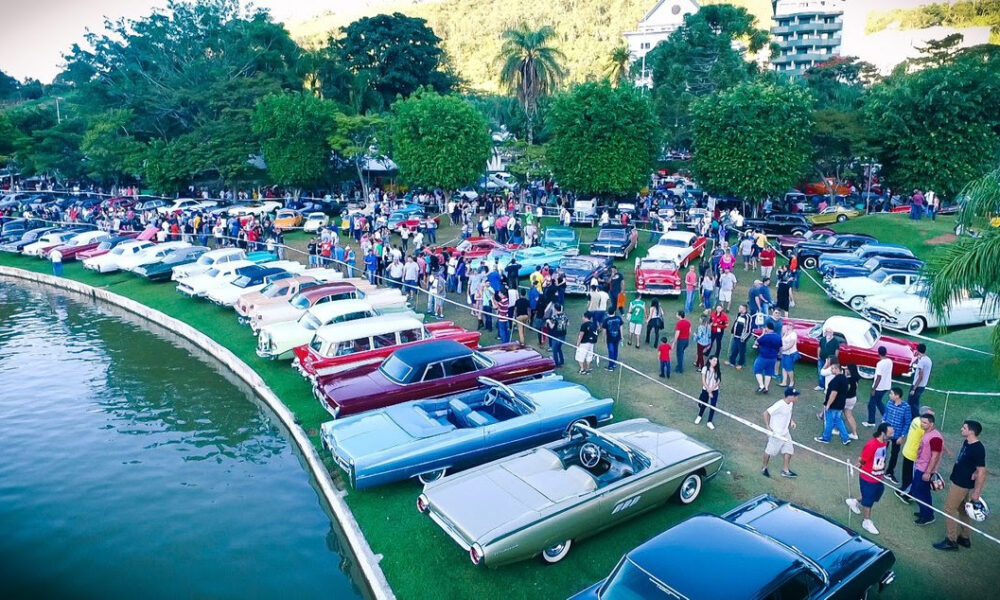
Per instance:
(499,254)
(612,234)
(559,235)
(871,263)
(631,582)
(119,250)
(104,246)
(310,322)
(871,336)
(316,217)
(395,369)
(664,265)
(242,281)
(879,276)
(672,242)
(576,264)
(300,301)
(465,246)
(206,260)
(271,290)
(212,272)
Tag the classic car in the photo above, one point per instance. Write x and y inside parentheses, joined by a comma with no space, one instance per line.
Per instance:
(909,310)
(107,245)
(540,501)
(13,229)
(834,214)
(854,291)
(787,243)
(315,221)
(48,241)
(562,239)
(615,241)
(255,208)
(149,255)
(108,262)
(182,204)
(119,203)
(287,218)
(88,240)
(354,289)
(682,247)
(197,286)
(771,548)
(279,339)
(871,265)
(28,237)
(217,258)
(497,181)
(405,213)
(342,346)
(415,222)
(657,277)
(427,438)
(580,270)
(249,279)
(473,247)
(810,252)
(278,291)
(859,255)
(161,270)
(149,204)
(778,224)
(528,258)
(425,370)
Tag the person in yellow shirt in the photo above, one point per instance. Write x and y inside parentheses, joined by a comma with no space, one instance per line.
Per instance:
(537,279)
(911,443)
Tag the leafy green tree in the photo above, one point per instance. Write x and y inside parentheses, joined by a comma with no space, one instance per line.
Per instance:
(752,141)
(353,139)
(109,149)
(395,55)
(8,133)
(439,141)
(937,53)
(603,139)
(616,69)
(840,83)
(530,67)
(9,87)
(294,130)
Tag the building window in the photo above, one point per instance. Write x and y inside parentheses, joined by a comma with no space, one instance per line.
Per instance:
(644,46)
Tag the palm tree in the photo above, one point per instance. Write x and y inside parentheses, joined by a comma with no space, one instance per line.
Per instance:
(616,69)
(972,262)
(529,67)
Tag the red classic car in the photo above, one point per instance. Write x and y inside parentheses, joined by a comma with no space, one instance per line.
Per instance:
(474,247)
(344,346)
(787,242)
(414,223)
(428,369)
(148,234)
(657,276)
(81,243)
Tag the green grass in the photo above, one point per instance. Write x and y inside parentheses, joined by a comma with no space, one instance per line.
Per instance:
(420,561)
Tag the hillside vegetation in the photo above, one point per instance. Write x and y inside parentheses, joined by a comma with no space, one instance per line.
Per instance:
(587,30)
(965,13)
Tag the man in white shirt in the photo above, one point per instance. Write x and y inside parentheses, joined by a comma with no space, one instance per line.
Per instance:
(880,387)
(778,419)
(921,375)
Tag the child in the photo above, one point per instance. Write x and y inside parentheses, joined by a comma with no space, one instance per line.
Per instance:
(664,350)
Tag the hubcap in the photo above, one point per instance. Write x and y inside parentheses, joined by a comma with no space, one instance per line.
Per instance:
(555,550)
(690,488)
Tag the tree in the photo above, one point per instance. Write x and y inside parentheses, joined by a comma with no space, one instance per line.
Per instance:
(839,140)
(616,68)
(752,140)
(294,130)
(353,139)
(395,55)
(529,67)
(840,83)
(937,53)
(439,141)
(9,87)
(603,139)
(109,149)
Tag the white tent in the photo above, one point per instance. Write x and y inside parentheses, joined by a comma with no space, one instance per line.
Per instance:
(378,164)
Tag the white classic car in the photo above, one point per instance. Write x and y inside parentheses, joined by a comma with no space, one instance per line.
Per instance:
(682,247)
(108,263)
(206,261)
(854,290)
(47,242)
(256,209)
(345,289)
(281,290)
(182,204)
(315,221)
(250,280)
(149,256)
(910,311)
(197,286)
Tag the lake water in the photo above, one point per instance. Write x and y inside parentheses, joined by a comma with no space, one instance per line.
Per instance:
(130,467)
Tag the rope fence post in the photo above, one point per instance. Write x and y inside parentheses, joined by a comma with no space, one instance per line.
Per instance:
(944,415)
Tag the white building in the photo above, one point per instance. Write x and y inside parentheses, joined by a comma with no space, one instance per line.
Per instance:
(656,26)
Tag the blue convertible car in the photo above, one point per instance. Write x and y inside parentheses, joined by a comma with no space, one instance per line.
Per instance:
(425,438)
(528,258)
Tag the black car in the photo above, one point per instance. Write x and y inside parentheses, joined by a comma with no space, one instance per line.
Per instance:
(28,237)
(614,240)
(841,243)
(893,263)
(580,270)
(15,228)
(765,548)
(779,224)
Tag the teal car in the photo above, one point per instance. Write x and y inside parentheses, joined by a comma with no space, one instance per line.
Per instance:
(565,239)
(528,258)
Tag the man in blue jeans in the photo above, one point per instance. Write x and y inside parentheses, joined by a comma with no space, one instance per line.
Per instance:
(613,328)
(682,335)
(836,398)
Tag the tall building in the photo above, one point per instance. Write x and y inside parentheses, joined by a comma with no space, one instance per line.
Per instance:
(656,26)
(807,32)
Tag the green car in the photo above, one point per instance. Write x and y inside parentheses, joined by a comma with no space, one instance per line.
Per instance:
(562,238)
(162,270)
(540,501)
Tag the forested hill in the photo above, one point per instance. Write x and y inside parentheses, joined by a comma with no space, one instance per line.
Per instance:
(587,30)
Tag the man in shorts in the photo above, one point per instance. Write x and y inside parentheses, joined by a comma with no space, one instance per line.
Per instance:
(727,283)
(778,419)
(768,346)
(636,319)
(872,465)
(585,343)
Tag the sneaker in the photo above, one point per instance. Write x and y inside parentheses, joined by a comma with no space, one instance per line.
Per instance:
(852,503)
(847,442)
(891,478)
(964,542)
(611,369)
(821,440)
(867,424)
(760,390)
(904,499)
(711,425)
(947,545)
(739,367)
(789,474)
(853,436)
(923,521)
(868,526)
(818,388)
(765,472)
(697,420)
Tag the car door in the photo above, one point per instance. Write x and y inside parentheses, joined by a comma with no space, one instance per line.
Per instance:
(966,309)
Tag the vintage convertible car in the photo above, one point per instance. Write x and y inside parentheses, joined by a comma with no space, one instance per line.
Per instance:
(858,256)
(771,549)
(108,262)
(88,240)
(787,242)
(286,218)
(617,241)
(251,279)
(682,247)
(473,247)
(528,258)
(48,241)
(333,291)
(540,501)
(217,258)
(580,270)
(834,214)
(427,438)
(162,269)
(197,286)
(562,239)
(149,255)
(315,221)
(875,263)
(425,370)
(810,252)
(853,291)
(909,310)
(657,277)
(281,290)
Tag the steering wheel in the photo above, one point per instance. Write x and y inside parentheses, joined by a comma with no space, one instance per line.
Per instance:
(491,397)
(590,455)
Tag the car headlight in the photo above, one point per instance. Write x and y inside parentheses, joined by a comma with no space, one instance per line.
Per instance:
(476,554)
(422,504)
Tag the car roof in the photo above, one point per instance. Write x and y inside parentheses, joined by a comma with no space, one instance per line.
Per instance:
(433,350)
(338,332)
(328,310)
(852,328)
(678,235)
(328,288)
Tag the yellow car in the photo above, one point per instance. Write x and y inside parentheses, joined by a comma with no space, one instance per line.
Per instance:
(288,218)
(834,214)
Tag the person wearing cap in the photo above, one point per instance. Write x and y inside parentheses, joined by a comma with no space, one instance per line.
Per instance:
(778,420)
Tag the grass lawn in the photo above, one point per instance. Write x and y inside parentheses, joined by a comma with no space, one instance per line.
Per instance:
(420,561)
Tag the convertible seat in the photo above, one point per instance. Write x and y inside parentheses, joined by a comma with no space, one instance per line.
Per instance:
(562,484)
(542,460)
(479,418)
(462,413)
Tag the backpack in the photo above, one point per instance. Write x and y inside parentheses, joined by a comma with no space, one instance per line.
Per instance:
(560,322)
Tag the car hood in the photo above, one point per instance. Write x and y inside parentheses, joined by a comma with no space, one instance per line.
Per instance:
(669,252)
(902,301)
(354,438)
(229,293)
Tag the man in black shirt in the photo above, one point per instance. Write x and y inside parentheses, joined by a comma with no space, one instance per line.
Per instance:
(512,272)
(585,341)
(836,399)
(967,479)
(522,314)
(616,281)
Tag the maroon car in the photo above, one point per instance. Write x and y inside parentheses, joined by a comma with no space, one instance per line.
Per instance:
(787,242)
(431,369)
(473,247)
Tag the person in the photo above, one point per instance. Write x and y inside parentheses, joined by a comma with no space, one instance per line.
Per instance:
(968,476)
(768,346)
(585,341)
(833,406)
(707,288)
(682,335)
(718,322)
(501,305)
(613,335)
(57,263)
(741,330)
(880,387)
(897,414)
(784,299)
(829,346)
(711,377)
(557,325)
(926,467)
(727,285)
(921,375)
(598,304)
(778,420)
(690,288)
(853,379)
(616,286)
(746,251)
(654,322)
(789,354)
(522,314)
(636,318)
(767,259)
(664,352)
(911,446)
(871,463)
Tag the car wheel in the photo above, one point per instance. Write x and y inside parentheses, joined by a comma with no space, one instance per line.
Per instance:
(916,326)
(809,262)
(431,476)
(798,232)
(857,302)
(841,218)
(866,372)
(690,489)
(991,322)
(554,554)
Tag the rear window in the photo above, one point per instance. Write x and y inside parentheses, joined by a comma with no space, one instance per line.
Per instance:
(411,335)
(385,340)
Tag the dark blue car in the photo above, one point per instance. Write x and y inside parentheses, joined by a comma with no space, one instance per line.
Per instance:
(842,243)
(764,549)
(889,263)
